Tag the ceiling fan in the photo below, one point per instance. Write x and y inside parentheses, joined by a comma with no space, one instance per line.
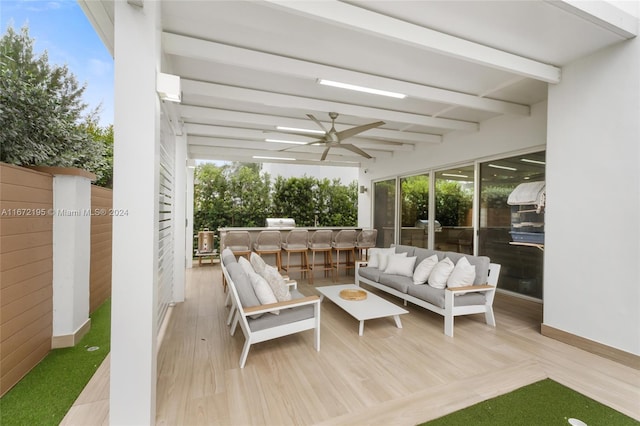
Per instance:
(333,138)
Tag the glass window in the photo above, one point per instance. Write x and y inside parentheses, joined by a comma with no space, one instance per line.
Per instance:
(522,266)
(414,209)
(454,210)
(384,211)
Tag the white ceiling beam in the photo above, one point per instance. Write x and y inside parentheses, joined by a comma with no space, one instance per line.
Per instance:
(353,17)
(286,101)
(215,52)
(602,14)
(274,148)
(253,134)
(197,114)
(223,153)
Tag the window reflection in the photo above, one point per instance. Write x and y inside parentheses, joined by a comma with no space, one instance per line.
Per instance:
(454,209)
(384,214)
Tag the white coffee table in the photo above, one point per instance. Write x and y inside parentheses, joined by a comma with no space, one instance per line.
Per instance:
(371,307)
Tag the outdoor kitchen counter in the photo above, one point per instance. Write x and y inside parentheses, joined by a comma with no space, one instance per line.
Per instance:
(254,231)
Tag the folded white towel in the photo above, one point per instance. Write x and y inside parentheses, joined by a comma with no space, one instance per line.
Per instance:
(528,193)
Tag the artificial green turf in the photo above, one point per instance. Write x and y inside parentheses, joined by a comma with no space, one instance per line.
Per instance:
(46,393)
(544,403)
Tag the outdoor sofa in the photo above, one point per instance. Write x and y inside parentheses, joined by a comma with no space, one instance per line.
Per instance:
(397,271)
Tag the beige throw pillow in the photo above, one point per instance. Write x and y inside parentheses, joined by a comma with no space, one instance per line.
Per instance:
(277,283)
(257,262)
(374,255)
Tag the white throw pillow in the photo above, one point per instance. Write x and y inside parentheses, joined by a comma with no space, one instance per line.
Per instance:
(463,274)
(263,290)
(257,262)
(383,259)
(424,268)
(440,273)
(374,258)
(400,265)
(277,283)
(246,266)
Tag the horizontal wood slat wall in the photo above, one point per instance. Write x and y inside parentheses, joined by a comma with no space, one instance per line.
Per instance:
(101,233)
(26,271)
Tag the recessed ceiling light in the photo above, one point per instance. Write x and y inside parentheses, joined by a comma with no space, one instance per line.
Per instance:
(284,141)
(452,175)
(526,160)
(296,129)
(260,157)
(361,88)
(495,166)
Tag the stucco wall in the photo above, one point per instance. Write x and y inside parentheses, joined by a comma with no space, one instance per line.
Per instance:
(592,258)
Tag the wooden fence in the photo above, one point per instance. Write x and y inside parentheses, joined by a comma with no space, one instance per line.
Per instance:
(26,267)
(26,271)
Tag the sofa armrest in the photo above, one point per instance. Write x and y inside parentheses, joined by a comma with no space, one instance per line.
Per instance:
(471,289)
(260,309)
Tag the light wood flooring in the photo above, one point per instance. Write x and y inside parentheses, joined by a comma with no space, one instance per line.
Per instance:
(389,376)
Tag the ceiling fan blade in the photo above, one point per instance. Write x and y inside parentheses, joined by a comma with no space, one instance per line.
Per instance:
(288,132)
(297,144)
(324,154)
(315,120)
(358,129)
(355,149)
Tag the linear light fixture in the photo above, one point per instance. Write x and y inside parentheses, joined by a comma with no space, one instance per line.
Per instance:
(361,88)
(296,129)
(260,157)
(284,141)
(452,175)
(526,160)
(495,166)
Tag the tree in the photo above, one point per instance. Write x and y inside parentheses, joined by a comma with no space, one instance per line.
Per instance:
(41,109)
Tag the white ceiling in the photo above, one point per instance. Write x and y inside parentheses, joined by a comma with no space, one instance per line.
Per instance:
(246,67)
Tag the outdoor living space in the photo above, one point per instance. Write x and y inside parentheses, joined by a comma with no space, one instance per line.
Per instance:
(387,376)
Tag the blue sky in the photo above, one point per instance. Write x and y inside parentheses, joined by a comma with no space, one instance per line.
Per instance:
(62,29)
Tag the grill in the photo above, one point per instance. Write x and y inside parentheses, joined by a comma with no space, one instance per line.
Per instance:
(280,222)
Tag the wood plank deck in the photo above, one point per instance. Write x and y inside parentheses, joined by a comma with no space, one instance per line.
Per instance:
(389,376)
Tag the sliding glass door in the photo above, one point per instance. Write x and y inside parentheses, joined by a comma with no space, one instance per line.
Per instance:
(454,209)
(414,208)
(384,211)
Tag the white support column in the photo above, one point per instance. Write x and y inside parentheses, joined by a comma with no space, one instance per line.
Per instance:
(180,209)
(135,235)
(189,200)
(71,255)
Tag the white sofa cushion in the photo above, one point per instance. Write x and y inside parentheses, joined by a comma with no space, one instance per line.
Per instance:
(374,255)
(400,265)
(462,275)
(257,262)
(424,268)
(263,290)
(440,273)
(383,259)
(277,283)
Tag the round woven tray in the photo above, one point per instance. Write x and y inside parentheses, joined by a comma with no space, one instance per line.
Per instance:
(353,294)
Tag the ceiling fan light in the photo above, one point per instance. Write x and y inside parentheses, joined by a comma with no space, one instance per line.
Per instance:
(361,88)
(285,141)
(260,157)
(296,129)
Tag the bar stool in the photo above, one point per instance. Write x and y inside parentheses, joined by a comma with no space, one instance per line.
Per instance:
(270,242)
(320,242)
(297,242)
(239,242)
(366,239)
(345,240)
